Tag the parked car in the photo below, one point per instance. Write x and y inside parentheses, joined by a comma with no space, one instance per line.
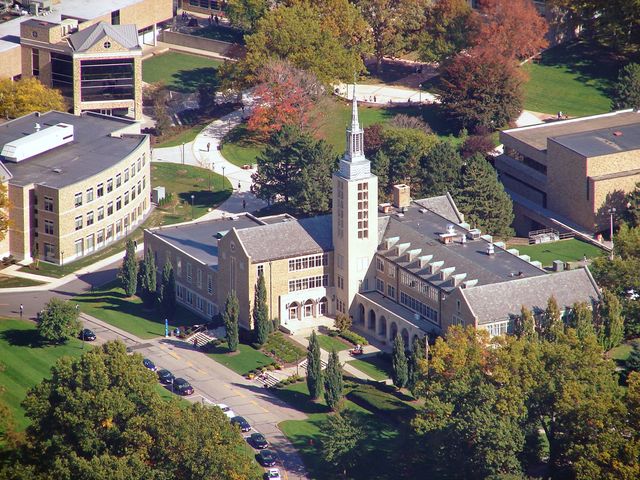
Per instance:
(267,458)
(242,423)
(182,387)
(166,377)
(149,364)
(226,409)
(258,441)
(273,474)
(87,335)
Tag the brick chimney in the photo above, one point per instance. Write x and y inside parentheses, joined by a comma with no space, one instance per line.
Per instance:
(401,195)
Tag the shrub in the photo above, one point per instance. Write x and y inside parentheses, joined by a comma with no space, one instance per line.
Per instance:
(353,337)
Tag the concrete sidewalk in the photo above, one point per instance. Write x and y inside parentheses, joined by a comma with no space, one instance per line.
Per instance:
(382,94)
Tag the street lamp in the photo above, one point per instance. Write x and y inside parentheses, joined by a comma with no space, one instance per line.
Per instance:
(612,212)
(223,177)
(62,259)
(192,214)
(183,153)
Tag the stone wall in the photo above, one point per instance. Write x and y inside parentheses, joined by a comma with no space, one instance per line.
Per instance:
(224,49)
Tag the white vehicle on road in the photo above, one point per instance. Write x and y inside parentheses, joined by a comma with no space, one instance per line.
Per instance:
(226,409)
(273,474)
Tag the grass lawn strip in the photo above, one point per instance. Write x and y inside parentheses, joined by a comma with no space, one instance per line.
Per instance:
(185,136)
(566,250)
(374,366)
(621,353)
(332,343)
(242,362)
(26,362)
(180,71)
(110,305)
(7,281)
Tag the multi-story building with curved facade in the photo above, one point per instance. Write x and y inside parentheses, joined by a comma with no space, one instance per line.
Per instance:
(75,183)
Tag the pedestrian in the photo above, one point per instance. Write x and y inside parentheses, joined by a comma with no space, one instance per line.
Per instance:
(238,185)
(195,343)
(244,204)
(208,146)
(217,20)
(375,99)
(21,310)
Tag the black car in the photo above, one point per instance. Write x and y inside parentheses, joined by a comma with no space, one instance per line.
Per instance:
(267,458)
(165,376)
(182,387)
(258,441)
(87,335)
(149,364)
(242,423)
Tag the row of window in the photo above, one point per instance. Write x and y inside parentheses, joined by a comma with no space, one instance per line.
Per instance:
(199,275)
(88,195)
(498,328)
(100,210)
(382,265)
(418,285)
(186,296)
(311,261)
(419,307)
(308,282)
(391,290)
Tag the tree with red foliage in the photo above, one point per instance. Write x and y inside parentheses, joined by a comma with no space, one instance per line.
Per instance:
(482,89)
(479,141)
(513,28)
(372,139)
(286,95)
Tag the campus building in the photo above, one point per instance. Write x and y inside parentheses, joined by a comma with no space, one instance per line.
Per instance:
(75,184)
(567,174)
(410,268)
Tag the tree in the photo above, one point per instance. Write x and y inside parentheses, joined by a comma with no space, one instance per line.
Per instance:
(632,364)
(481,197)
(26,96)
(611,331)
(480,142)
(4,210)
(342,436)
(627,241)
(100,416)
(626,91)
(261,322)
(373,139)
(148,273)
(129,270)
(314,367)
(230,320)
(582,321)
(631,214)
(380,166)
(245,14)
(314,188)
(333,381)
(441,169)
(59,321)
(481,89)
(399,366)
(167,289)
(342,322)
(552,325)
(416,360)
(527,324)
(512,28)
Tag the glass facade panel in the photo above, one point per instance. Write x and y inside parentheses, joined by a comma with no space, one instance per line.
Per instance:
(62,73)
(107,79)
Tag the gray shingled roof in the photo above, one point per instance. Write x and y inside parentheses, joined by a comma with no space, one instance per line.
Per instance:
(290,238)
(497,301)
(125,35)
(443,206)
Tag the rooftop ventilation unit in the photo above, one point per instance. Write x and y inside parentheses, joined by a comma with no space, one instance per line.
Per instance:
(490,249)
(474,234)
(42,140)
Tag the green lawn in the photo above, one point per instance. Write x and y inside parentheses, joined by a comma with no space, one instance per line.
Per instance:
(573,78)
(621,353)
(180,71)
(26,362)
(566,250)
(12,282)
(374,366)
(330,343)
(185,136)
(110,304)
(243,361)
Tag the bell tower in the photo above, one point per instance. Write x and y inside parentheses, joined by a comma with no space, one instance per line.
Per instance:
(355,217)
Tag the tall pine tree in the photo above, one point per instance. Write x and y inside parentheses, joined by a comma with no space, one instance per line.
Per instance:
(441,169)
(612,328)
(261,324)
(552,323)
(230,319)
(481,197)
(528,324)
(167,289)
(314,367)
(148,278)
(582,320)
(415,359)
(129,270)
(333,381)
(400,368)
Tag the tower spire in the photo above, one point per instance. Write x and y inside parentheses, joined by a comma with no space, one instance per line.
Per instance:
(355,124)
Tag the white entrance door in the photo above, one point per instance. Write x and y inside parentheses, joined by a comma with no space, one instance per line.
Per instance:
(308,310)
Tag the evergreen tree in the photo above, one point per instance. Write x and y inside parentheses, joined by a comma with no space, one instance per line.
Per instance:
(129,270)
(481,197)
(314,187)
(612,329)
(441,169)
(552,324)
(380,168)
(166,289)
(632,363)
(400,368)
(148,272)
(528,324)
(261,323)
(415,359)
(582,321)
(333,381)
(314,367)
(230,319)
(626,91)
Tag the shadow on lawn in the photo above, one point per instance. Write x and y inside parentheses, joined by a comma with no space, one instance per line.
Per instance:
(188,81)
(204,198)
(23,338)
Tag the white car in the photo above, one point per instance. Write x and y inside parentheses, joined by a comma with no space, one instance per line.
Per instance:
(226,410)
(273,474)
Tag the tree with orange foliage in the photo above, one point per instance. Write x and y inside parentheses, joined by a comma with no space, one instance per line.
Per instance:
(513,28)
(285,95)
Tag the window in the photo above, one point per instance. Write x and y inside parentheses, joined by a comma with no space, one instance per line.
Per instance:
(110,185)
(109,232)
(62,73)
(78,199)
(133,193)
(340,282)
(118,227)
(380,285)
(35,62)
(48,204)
(419,307)
(109,208)
(139,166)
(100,213)
(79,222)
(89,218)
(79,244)
(49,251)
(189,273)
(363,210)
(312,261)
(48,227)
(199,278)
(144,159)
(308,282)
(498,328)
(100,237)
(90,244)
(391,270)
(260,270)
(133,169)
(115,17)
(144,182)
(89,195)
(209,284)
(179,267)
(107,79)
(139,187)
(391,291)
(379,264)
(100,190)
(118,203)
(126,198)
(126,175)
(118,180)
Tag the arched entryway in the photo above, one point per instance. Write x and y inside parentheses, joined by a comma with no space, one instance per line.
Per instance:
(405,338)
(308,309)
(360,316)
(294,309)
(394,331)
(372,320)
(382,326)
(323,306)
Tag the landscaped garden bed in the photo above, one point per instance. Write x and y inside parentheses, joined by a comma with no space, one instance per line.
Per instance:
(283,349)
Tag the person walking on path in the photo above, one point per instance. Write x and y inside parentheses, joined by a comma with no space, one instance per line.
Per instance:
(21,310)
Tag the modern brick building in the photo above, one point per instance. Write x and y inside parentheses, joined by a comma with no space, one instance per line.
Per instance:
(75,183)
(570,172)
(411,268)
